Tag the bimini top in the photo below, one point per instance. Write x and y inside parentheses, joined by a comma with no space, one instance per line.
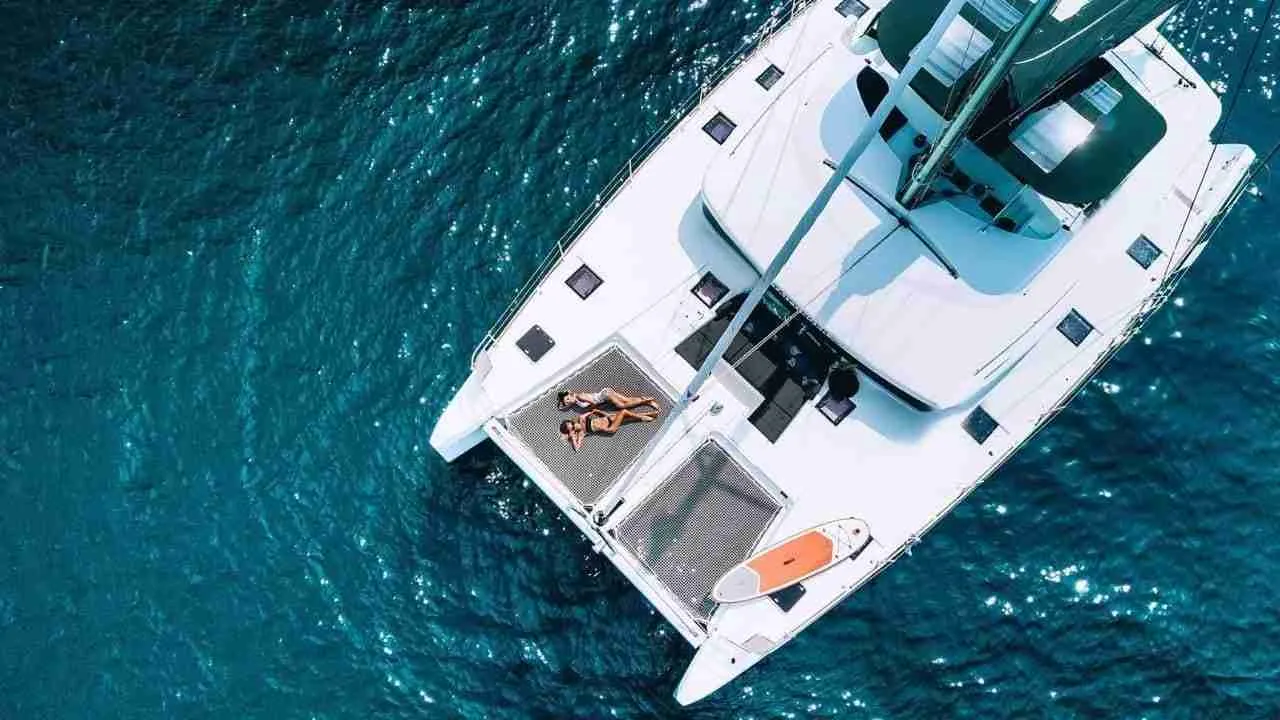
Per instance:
(1065,121)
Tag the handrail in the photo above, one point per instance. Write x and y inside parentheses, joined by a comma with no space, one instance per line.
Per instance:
(624,175)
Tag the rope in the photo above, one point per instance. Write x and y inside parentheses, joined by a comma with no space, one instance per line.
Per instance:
(964,59)
(1195,36)
(1074,35)
(1231,107)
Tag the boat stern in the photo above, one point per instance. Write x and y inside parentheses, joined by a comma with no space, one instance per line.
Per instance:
(717,662)
(461,424)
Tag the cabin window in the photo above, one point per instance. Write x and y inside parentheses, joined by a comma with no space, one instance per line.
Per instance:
(1001,13)
(961,46)
(1066,9)
(710,290)
(979,424)
(1144,252)
(1075,328)
(852,8)
(834,408)
(584,281)
(1102,96)
(769,77)
(535,343)
(1047,137)
(719,128)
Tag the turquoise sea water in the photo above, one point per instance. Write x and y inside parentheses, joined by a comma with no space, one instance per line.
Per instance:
(245,251)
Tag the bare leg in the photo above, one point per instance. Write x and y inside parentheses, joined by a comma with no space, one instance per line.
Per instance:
(620,418)
(576,434)
(624,402)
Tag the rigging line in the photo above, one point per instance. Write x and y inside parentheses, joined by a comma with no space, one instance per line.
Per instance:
(1258,166)
(1024,109)
(800,307)
(578,226)
(1133,312)
(768,114)
(1264,164)
(1226,118)
(1018,112)
(973,31)
(904,218)
(1075,35)
(1129,312)
(974,77)
(1195,37)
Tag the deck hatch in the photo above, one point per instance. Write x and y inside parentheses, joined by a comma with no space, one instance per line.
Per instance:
(835,409)
(1075,328)
(979,424)
(852,8)
(719,127)
(710,290)
(787,597)
(535,343)
(584,281)
(1144,252)
(769,77)
(590,472)
(706,517)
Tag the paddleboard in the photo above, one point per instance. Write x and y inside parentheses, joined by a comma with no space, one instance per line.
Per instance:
(788,562)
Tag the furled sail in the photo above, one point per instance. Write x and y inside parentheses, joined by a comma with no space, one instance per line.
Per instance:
(1075,33)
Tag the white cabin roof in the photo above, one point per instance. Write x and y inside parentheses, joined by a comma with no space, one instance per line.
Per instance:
(870,282)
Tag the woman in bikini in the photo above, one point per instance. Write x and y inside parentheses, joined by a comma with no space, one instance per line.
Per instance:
(590,400)
(599,422)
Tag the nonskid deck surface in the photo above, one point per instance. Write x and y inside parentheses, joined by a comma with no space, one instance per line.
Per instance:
(588,473)
(707,517)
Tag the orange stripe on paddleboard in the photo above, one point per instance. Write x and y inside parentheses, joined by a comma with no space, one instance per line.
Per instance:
(793,560)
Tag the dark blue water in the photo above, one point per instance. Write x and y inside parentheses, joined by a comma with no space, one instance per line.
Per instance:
(245,250)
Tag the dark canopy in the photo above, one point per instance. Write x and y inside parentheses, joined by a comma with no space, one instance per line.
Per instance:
(1059,48)
(1056,48)
(1061,59)
(1120,139)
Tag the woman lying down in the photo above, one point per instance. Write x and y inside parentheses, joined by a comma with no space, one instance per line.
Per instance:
(600,422)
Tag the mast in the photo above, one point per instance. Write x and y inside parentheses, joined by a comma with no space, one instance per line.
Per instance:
(919,55)
(923,175)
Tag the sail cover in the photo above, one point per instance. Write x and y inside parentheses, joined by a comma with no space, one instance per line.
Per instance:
(1076,32)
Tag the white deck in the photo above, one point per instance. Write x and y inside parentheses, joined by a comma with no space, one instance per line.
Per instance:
(897,468)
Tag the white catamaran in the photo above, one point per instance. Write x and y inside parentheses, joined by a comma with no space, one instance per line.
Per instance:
(854,278)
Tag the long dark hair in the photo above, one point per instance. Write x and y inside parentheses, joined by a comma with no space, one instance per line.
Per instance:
(560,397)
(566,427)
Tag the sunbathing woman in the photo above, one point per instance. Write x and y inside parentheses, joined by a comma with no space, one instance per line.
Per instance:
(598,422)
(588,400)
